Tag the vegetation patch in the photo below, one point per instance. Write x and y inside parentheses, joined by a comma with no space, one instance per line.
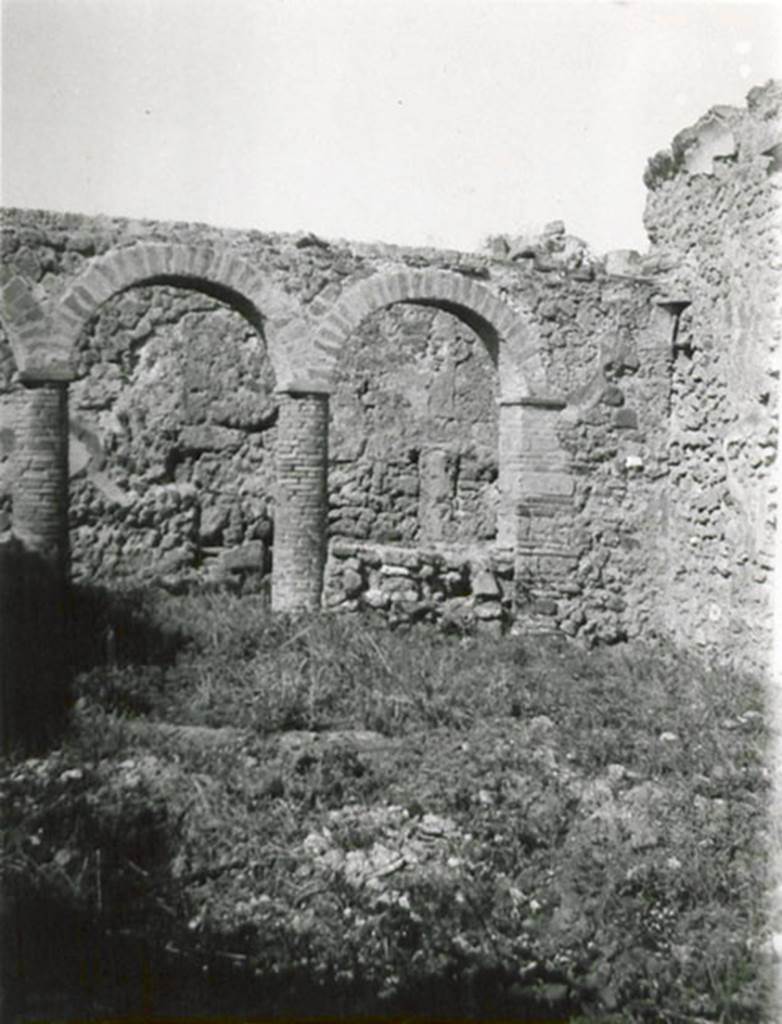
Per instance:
(280,816)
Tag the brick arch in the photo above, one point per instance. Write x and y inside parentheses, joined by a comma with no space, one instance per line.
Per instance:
(214,271)
(510,338)
(25,323)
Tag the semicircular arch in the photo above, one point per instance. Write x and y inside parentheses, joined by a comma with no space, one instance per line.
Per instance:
(219,272)
(25,322)
(510,338)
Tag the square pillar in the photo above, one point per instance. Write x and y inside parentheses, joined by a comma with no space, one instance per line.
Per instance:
(528,446)
(544,562)
(509,444)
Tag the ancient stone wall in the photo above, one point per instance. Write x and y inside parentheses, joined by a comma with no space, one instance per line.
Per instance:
(531,436)
(713,217)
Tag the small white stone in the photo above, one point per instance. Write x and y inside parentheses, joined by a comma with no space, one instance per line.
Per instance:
(715,612)
(394,570)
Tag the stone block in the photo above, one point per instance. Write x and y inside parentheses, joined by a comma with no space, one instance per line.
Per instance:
(213,520)
(376,598)
(544,606)
(174,560)
(626,419)
(484,585)
(490,627)
(210,438)
(352,582)
(488,610)
(250,557)
(612,395)
(406,484)
(624,262)
(457,611)
(394,570)
(400,558)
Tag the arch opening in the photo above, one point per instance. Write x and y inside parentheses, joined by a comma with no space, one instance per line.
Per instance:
(476,323)
(414,430)
(213,289)
(173,420)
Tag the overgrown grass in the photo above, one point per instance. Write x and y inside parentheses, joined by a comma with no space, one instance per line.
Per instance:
(321,814)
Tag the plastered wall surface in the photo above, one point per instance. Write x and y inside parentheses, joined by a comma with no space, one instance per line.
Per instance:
(609,475)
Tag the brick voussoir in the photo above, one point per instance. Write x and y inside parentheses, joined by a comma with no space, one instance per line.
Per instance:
(376,293)
(497,313)
(449,283)
(201,259)
(182,259)
(77,308)
(415,281)
(267,305)
(396,286)
(331,335)
(341,323)
(468,292)
(220,271)
(155,261)
(94,287)
(247,281)
(409,282)
(331,348)
(15,293)
(24,313)
(356,303)
(30,333)
(518,339)
(130,264)
(105,269)
(425,287)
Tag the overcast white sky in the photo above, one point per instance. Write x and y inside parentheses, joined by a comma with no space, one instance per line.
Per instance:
(415,121)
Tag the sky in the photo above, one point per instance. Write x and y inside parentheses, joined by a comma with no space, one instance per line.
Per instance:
(422,122)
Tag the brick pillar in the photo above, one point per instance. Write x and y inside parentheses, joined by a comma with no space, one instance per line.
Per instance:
(301,506)
(40,499)
(544,558)
(509,445)
(34,650)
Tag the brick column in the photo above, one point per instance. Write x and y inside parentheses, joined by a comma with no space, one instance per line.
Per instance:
(544,558)
(40,499)
(301,505)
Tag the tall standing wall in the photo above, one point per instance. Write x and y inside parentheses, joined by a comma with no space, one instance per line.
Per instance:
(713,216)
(663,420)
